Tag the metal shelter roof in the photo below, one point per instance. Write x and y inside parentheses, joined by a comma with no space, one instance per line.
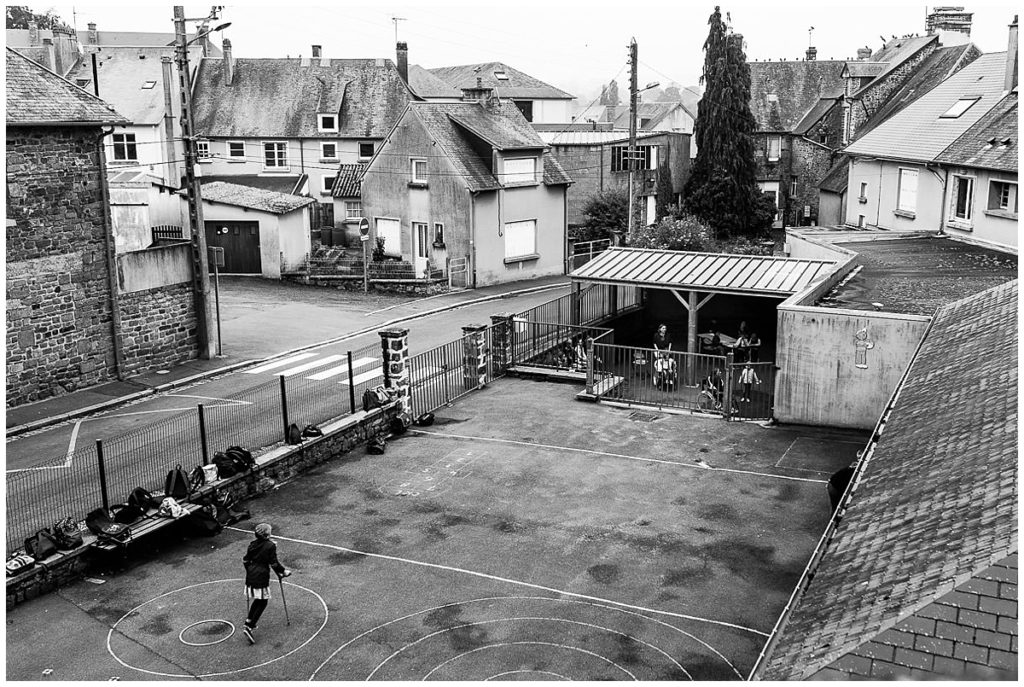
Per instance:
(754,275)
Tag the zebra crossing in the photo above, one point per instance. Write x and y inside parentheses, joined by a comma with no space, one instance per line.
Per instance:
(323,368)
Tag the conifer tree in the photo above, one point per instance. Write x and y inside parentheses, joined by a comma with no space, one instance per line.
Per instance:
(722,188)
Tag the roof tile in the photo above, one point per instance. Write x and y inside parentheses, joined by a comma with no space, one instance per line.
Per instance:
(518,84)
(254,198)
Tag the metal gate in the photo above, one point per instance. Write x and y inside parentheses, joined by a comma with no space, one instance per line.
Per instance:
(458,273)
(753,391)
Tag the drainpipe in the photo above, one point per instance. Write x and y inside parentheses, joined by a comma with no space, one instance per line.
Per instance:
(108,234)
(472,237)
(944,181)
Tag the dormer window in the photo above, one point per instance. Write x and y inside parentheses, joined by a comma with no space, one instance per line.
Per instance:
(501,75)
(959,108)
(327,122)
(520,171)
(149,85)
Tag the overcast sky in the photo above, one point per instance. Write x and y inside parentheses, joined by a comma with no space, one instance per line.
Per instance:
(573,45)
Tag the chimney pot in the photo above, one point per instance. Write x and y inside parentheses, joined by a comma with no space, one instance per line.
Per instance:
(812,53)
(863,53)
(402,55)
(316,51)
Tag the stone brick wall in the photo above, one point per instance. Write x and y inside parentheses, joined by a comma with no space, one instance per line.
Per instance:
(876,95)
(59,335)
(811,164)
(158,327)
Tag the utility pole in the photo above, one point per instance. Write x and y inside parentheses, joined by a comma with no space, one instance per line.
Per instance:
(631,152)
(200,260)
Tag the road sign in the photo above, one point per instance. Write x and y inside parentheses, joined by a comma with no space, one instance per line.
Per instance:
(217,255)
(364,238)
(364,228)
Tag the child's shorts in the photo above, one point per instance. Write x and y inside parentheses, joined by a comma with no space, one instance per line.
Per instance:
(257,592)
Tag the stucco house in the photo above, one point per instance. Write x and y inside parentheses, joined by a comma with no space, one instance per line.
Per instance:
(468,188)
(539,102)
(274,117)
(948,161)
(262,232)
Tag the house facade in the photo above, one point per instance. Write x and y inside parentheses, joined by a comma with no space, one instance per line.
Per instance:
(468,188)
(539,102)
(947,162)
(597,162)
(303,116)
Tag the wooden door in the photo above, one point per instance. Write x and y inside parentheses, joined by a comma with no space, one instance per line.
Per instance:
(241,244)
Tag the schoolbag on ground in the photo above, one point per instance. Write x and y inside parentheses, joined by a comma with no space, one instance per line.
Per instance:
(66,534)
(376,445)
(142,499)
(228,510)
(20,563)
(375,397)
(204,522)
(294,434)
(400,423)
(225,465)
(242,457)
(41,545)
(312,431)
(126,514)
(177,485)
(105,529)
(424,420)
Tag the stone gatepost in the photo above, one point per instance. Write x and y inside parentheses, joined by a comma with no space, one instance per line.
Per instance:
(394,344)
(474,356)
(502,328)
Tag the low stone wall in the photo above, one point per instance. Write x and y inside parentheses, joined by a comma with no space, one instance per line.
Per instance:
(158,328)
(280,465)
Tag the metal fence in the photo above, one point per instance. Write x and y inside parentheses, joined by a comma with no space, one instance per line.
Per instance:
(556,346)
(439,377)
(582,252)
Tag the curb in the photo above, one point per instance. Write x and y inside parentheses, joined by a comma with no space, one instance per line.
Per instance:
(168,386)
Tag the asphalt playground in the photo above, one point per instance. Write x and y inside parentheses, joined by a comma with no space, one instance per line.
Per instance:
(523,536)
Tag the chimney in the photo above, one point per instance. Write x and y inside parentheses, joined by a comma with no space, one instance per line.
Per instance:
(402,54)
(49,56)
(33,33)
(864,53)
(316,51)
(229,62)
(952,24)
(812,53)
(170,170)
(1010,80)
(93,35)
(479,93)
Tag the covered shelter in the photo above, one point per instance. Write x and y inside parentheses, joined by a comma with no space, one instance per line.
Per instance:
(694,278)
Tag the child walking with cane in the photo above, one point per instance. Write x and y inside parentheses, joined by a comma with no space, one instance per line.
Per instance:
(258,560)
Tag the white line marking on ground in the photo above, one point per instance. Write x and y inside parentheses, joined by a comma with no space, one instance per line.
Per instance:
(71,443)
(501,644)
(326,360)
(279,363)
(341,369)
(365,377)
(508,620)
(507,580)
(233,401)
(618,455)
(529,672)
(239,581)
(527,598)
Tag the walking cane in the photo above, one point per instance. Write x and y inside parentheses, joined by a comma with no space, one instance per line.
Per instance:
(284,601)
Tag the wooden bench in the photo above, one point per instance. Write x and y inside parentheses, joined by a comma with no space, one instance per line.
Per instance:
(145,526)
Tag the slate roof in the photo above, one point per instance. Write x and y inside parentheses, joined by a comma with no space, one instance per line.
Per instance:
(814,115)
(860,69)
(798,86)
(349,180)
(253,198)
(518,85)
(919,579)
(426,85)
(838,177)
(895,52)
(282,97)
(122,73)
(454,125)
(35,95)
(585,138)
(654,111)
(984,144)
(939,65)
(918,132)
(281,183)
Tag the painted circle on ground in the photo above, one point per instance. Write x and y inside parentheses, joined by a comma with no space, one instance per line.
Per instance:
(587,632)
(156,614)
(231,626)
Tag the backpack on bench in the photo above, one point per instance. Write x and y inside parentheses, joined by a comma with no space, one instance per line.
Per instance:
(105,529)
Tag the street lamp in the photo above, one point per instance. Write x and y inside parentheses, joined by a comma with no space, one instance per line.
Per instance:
(200,259)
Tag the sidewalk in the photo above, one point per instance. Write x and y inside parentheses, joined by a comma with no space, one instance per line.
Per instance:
(251,343)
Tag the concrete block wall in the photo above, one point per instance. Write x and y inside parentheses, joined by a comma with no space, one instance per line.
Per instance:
(59,334)
(158,327)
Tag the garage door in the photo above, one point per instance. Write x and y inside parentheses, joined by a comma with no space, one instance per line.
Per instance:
(241,244)
(391,231)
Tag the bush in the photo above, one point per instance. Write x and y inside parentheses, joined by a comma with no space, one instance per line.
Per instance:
(604,213)
(683,233)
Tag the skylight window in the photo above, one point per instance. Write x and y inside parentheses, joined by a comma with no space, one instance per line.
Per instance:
(501,75)
(149,84)
(959,108)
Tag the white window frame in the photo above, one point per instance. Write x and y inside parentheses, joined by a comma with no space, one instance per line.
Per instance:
(413,164)
(327,184)
(955,216)
(353,209)
(421,232)
(148,85)
(323,150)
(648,153)
(203,152)
(959,108)
(126,146)
(232,157)
(768,148)
(863,192)
(520,240)
(1012,199)
(438,233)
(519,176)
(279,146)
(906,197)
(320,123)
(793,187)
(359,150)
